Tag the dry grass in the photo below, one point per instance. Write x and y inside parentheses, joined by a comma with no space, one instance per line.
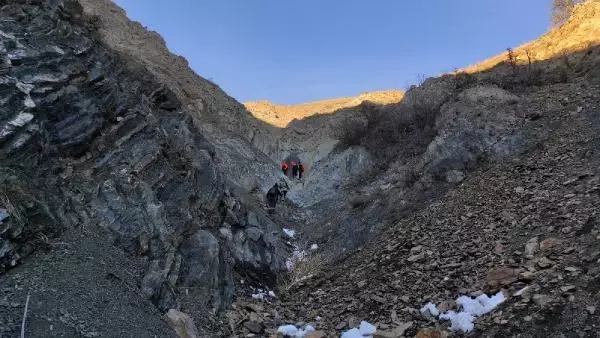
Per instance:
(580,32)
(303,271)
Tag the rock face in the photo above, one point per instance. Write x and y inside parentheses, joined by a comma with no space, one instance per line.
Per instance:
(90,139)
(234,133)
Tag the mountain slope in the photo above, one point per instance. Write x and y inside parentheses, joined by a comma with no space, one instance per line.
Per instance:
(502,195)
(281,115)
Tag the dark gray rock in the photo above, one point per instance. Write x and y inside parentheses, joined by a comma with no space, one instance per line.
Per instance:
(254,233)
(89,138)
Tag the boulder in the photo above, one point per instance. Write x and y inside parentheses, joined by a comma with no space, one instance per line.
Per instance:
(182,324)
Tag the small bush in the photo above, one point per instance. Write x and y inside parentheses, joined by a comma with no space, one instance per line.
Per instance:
(351,132)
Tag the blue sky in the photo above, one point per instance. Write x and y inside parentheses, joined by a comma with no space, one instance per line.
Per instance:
(291,51)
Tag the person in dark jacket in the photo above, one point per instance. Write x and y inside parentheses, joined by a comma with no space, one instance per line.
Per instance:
(283,188)
(294,169)
(300,171)
(272,197)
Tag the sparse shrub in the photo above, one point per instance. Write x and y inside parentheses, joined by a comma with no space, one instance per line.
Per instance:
(512,59)
(463,80)
(351,132)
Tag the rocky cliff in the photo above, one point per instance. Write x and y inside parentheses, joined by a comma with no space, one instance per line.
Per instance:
(99,143)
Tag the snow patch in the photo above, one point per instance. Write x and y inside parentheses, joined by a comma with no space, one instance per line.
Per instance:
(431,308)
(293,331)
(471,308)
(263,295)
(365,329)
(314,247)
(462,321)
(289,232)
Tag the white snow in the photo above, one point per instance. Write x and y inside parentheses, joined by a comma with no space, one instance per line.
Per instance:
(314,247)
(293,331)
(365,330)
(462,321)
(263,295)
(352,333)
(288,330)
(480,305)
(289,232)
(431,308)
(259,296)
(471,308)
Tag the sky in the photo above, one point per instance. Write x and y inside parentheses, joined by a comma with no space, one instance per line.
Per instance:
(291,51)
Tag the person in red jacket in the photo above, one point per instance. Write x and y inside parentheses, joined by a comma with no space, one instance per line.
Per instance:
(284,167)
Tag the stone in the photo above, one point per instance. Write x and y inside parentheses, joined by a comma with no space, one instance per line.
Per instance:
(226,233)
(549,243)
(527,275)
(566,230)
(396,332)
(567,288)
(315,334)
(591,309)
(254,327)
(182,324)
(416,258)
(455,176)
(341,325)
(254,233)
(432,333)
(502,276)
(446,305)
(416,249)
(253,220)
(544,263)
(531,247)
(541,299)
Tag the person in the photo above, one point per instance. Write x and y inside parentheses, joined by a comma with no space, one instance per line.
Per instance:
(272,197)
(283,188)
(300,171)
(295,169)
(284,167)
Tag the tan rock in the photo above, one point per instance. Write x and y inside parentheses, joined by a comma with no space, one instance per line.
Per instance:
(316,334)
(502,276)
(544,263)
(432,333)
(394,333)
(182,324)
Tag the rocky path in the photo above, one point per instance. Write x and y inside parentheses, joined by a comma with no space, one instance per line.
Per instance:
(83,287)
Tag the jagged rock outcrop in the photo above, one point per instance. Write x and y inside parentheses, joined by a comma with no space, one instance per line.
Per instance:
(90,139)
(237,136)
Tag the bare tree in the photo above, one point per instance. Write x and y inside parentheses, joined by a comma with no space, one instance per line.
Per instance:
(561,10)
